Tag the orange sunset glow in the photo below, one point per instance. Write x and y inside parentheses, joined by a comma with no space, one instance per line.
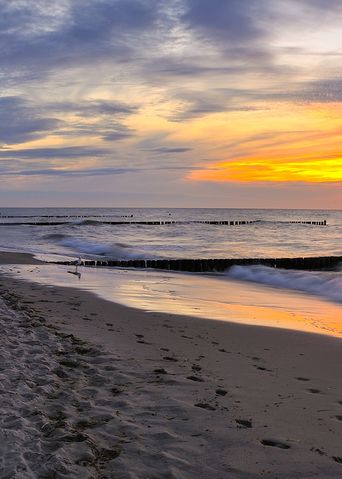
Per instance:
(187,103)
(269,169)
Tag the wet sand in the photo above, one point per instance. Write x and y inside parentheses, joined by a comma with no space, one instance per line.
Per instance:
(92,389)
(17,258)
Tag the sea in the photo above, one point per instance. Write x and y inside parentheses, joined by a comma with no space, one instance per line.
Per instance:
(54,234)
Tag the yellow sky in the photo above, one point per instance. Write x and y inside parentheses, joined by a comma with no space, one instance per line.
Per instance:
(289,143)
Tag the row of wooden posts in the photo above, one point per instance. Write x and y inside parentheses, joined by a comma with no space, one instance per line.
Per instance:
(217,265)
(67,216)
(319,223)
(159,223)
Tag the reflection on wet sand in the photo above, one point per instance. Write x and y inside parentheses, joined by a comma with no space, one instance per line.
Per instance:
(196,295)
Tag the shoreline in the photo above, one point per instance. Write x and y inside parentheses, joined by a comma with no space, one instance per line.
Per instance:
(212,297)
(194,397)
(12,257)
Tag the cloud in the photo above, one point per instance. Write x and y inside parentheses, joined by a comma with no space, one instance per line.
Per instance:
(116,133)
(320,91)
(232,21)
(21,121)
(54,153)
(88,108)
(170,150)
(328,5)
(115,81)
(37,37)
(100,118)
(70,173)
(195,104)
(328,90)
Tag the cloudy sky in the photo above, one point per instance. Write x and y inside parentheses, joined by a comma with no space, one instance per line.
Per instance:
(223,103)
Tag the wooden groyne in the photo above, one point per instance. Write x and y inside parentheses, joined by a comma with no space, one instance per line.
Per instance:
(66,216)
(119,223)
(160,223)
(217,265)
(318,223)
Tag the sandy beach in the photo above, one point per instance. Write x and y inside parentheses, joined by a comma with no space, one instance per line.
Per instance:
(93,389)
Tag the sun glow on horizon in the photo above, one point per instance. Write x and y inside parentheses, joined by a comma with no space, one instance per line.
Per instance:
(263,169)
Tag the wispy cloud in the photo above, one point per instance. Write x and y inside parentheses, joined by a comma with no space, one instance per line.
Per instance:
(137,87)
(20,121)
(53,153)
(55,172)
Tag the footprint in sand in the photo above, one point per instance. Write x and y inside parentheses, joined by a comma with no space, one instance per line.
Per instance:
(337,459)
(339,418)
(245,423)
(205,405)
(170,358)
(220,392)
(275,443)
(261,368)
(317,450)
(195,367)
(314,391)
(115,391)
(195,378)
(300,378)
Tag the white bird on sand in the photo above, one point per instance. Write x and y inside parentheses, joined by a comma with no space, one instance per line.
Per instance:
(77,263)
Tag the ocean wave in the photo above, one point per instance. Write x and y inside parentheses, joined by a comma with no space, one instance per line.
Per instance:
(113,250)
(325,284)
(55,237)
(91,248)
(87,222)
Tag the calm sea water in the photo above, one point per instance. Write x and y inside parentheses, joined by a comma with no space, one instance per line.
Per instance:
(85,233)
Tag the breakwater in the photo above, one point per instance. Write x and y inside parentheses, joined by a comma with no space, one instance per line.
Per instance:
(215,265)
(159,223)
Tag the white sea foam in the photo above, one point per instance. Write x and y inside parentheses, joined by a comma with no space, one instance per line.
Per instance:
(109,250)
(322,283)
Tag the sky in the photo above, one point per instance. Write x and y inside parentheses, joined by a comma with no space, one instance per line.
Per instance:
(174,103)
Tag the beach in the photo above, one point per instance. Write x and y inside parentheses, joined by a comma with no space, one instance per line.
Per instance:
(170,239)
(92,389)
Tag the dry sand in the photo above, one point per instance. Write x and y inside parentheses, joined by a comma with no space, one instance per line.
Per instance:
(92,389)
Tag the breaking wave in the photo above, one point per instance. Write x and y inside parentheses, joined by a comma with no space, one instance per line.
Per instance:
(324,284)
(87,222)
(108,250)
